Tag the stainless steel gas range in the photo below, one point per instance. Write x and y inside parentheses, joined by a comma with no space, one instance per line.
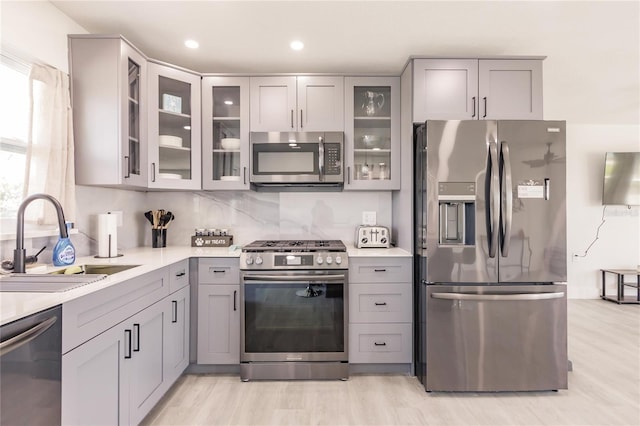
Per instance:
(293,310)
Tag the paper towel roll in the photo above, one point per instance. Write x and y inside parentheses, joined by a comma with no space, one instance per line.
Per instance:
(107,235)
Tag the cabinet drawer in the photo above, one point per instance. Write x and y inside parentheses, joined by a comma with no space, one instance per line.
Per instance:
(379,269)
(90,315)
(219,271)
(380,303)
(380,343)
(178,275)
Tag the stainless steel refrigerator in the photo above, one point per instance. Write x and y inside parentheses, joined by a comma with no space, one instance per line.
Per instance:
(490,220)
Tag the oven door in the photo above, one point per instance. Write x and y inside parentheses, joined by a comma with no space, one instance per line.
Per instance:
(293,316)
(286,158)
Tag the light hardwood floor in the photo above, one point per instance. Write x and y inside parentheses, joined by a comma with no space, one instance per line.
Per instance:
(604,389)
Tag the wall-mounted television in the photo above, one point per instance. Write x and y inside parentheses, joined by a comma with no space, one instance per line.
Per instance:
(621,179)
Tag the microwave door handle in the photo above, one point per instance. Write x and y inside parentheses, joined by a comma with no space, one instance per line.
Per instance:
(321,158)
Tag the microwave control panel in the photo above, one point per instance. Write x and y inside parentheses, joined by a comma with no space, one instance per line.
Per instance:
(333,160)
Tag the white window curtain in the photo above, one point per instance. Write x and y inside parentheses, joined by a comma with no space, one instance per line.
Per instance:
(50,154)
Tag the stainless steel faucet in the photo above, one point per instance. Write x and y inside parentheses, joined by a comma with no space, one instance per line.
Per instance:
(19,254)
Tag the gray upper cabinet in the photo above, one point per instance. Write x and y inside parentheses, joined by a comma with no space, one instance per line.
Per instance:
(510,89)
(225,133)
(297,104)
(174,128)
(472,89)
(372,133)
(109,99)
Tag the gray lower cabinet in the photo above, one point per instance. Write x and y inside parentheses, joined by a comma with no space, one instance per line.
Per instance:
(218,311)
(380,310)
(117,365)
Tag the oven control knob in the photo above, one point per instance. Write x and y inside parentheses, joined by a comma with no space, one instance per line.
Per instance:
(319,260)
(329,260)
(338,260)
(258,260)
(249,260)
(364,240)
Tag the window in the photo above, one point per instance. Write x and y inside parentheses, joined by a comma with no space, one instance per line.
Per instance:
(14,111)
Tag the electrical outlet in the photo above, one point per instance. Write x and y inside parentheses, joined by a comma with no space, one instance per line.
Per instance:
(118,214)
(368,218)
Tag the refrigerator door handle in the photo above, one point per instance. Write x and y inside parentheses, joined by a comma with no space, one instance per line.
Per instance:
(506,214)
(497,297)
(493,199)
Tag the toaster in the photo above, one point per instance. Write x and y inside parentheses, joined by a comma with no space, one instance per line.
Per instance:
(372,237)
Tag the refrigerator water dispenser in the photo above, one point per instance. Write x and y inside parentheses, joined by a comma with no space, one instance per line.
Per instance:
(457,206)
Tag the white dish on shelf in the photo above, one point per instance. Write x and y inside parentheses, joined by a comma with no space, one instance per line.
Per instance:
(230,143)
(170,175)
(230,178)
(372,141)
(172,141)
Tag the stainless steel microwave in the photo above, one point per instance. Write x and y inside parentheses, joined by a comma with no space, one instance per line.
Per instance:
(297,160)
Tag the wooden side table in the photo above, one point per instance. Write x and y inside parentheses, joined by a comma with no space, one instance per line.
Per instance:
(620,298)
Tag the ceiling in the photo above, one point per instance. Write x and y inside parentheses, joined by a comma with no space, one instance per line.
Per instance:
(592,47)
(339,36)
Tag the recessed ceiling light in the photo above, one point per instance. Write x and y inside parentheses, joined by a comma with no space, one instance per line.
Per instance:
(228,102)
(297,45)
(191,44)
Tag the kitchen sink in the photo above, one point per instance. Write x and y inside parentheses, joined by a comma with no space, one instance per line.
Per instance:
(46,283)
(60,280)
(92,269)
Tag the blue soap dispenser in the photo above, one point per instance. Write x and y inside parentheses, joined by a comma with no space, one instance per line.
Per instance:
(64,253)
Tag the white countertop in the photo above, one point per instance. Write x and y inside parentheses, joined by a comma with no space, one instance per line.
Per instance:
(378,252)
(16,305)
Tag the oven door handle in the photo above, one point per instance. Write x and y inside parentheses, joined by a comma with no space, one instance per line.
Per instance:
(294,277)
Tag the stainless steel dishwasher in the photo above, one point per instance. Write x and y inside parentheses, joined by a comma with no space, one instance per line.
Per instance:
(31,368)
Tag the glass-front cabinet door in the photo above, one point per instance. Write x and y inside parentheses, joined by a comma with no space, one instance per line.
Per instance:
(372,133)
(174,128)
(225,128)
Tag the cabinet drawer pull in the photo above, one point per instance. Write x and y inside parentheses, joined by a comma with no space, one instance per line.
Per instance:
(174,311)
(136,329)
(380,344)
(380,270)
(217,271)
(380,303)
(127,344)
(181,274)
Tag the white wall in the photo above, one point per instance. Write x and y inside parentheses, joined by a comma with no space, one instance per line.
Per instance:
(37,30)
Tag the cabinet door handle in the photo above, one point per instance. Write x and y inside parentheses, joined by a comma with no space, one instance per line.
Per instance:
(181,274)
(153,172)
(174,311)
(485,107)
(473,101)
(380,303)
(380,344)
(128,175)
(379,270)
(127,344)
(292,119)
(348,175)
(217,271)
(244,175)
(301,122)
(234,300)
(136,329)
